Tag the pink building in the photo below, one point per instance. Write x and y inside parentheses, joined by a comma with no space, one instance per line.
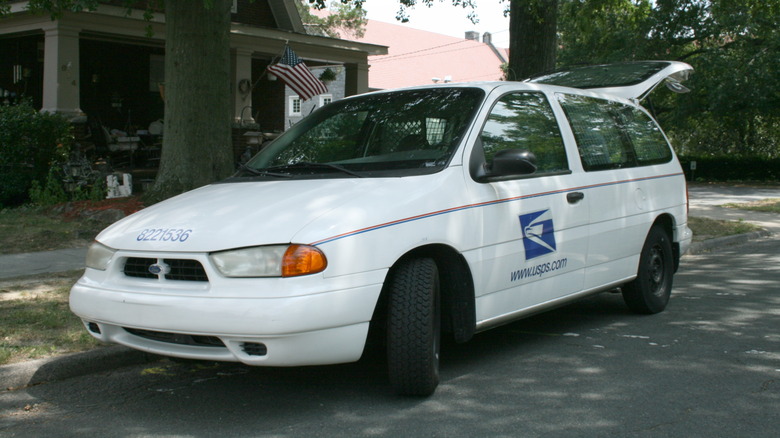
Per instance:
(418,57)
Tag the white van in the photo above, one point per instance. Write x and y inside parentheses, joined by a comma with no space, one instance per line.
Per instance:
(419,212)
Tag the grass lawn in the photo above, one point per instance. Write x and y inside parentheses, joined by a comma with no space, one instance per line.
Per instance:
(30,229)
(765,205)
(35,320)
(704,229)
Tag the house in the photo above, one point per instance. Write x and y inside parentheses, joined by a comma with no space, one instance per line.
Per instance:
(419,57)
(105,64)
(296,108)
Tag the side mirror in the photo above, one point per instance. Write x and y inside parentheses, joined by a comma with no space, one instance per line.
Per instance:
(513,162)
(507,164)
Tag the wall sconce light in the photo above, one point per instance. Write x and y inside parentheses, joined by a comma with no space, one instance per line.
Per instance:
(244,86)
(271,77)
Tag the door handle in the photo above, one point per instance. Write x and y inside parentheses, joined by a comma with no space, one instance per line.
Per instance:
(575,197)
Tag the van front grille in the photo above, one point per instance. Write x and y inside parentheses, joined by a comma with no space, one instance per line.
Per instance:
(182,270)
(187,270)
(139,267)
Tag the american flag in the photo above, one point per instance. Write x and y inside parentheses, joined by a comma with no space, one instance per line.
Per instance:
(297,76)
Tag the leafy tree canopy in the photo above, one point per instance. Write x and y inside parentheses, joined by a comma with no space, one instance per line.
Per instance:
(734,46)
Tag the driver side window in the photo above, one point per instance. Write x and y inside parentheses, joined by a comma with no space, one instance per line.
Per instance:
(525,121)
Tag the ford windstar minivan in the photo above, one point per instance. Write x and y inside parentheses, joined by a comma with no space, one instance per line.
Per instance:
(417,213)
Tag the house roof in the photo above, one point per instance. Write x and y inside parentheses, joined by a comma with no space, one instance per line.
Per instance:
(416,57)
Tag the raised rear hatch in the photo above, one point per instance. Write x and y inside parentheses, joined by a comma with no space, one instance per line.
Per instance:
(631,80)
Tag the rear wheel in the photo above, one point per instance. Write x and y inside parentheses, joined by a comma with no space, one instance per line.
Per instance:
(413,327)
(650,291)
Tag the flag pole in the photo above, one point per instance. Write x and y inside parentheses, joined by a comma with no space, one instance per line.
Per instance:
(265,70)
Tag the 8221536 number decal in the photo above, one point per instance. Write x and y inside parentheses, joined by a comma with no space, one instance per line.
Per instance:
(164,235)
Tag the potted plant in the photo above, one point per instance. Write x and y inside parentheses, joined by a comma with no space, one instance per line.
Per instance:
(328,75)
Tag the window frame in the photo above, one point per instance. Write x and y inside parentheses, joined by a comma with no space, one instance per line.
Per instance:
(477,158)
(293,100)
(322,97)
(614,110)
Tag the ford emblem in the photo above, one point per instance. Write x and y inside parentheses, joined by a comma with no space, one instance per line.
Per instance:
(159,268)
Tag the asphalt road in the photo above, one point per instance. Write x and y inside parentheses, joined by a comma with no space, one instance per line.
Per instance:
(709,366)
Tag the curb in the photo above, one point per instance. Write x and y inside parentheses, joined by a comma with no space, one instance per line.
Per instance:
(103,359)
(52,369)
(720,242)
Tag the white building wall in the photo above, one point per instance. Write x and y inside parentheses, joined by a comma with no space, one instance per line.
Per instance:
(295,112)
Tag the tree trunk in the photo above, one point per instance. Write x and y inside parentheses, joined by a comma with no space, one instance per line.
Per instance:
(533,39)
(197,145)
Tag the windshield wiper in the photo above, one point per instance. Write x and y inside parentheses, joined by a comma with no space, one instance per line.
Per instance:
(303,165)
(259,172)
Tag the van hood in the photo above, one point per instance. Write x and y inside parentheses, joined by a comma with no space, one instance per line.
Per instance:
(631,80)
(233,215)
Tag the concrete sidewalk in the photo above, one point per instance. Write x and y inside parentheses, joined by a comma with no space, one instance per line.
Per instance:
(44,262)
(705,201)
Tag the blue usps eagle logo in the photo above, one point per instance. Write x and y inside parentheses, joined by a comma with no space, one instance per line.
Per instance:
(538,233)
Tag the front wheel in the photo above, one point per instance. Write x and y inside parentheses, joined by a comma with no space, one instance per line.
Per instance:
(413,327)
(649,293)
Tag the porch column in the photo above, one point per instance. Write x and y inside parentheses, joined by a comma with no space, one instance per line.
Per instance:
(61,71)
(242,83)
(356,79)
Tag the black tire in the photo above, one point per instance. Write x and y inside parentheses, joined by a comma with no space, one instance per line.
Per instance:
(649,293)
(414,327)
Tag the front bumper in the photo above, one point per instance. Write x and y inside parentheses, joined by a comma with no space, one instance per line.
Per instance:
(685,238)
(271,322)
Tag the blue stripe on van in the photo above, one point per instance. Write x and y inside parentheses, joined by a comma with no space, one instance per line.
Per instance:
(482,204)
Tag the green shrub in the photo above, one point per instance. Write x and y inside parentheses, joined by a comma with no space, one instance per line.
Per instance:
(50,193)
(30,143)
(731,168)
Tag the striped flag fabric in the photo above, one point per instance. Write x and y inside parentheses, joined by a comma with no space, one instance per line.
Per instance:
(297,76)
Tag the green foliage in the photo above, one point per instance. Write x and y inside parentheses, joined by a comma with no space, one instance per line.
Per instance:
(730,168)
(343,20)
(30,142)
(733,45)
(403,6)
(328,75)
(51,193)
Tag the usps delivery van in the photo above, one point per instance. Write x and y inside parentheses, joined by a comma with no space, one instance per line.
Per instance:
(418,213)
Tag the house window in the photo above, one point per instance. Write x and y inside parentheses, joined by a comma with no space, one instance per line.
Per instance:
(325,99)
(295,106)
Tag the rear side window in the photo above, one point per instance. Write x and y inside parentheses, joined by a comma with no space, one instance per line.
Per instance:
(525,121)
(601,142)
(649,143)
(611,135)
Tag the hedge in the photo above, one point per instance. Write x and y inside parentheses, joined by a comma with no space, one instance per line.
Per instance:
(731,168)
(30,142)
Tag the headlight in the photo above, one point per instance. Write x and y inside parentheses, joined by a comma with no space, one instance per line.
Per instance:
(270,261)
(98,256)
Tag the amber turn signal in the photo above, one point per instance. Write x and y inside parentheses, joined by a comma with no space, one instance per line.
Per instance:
(303,260)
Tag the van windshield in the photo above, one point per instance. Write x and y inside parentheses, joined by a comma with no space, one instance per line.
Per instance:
(377,135)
